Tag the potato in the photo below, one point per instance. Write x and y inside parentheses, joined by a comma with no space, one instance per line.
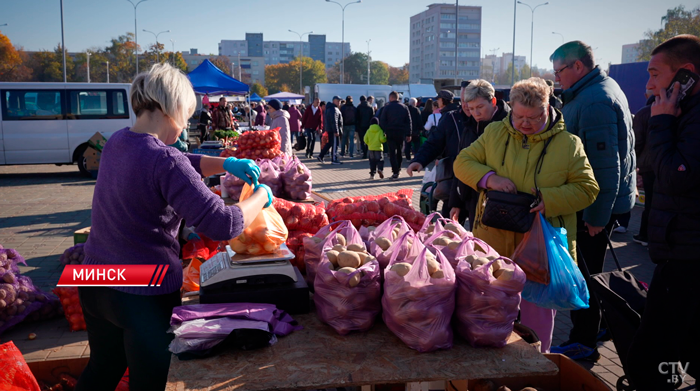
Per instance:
(470,259)
(479,262)
(362,256)
(383,243)
(453,245)
(330,266)
(333,257)
(316,240)
(452,227)
(355,279)
(368,258)
(491,257)
(504,274)
(341,239)
(497,265)
(503,388)
(441,241)
(339,248)
(237,246)
(349,259)
(438,274)
(356,247)
(430,229)
(433,266)
(401,268)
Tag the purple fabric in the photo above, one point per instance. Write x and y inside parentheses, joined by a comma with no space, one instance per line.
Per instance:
(143,192)
(484,179)
(540,320)
(219,327)
(280,322)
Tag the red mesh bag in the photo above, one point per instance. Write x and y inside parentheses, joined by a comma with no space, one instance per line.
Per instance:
(71,307)
(14,371)
(258,153)
(301,217)
(295,243)
(374,212)
(202,248)
(401,197)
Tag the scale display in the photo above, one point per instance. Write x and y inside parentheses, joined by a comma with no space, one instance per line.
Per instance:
(228,265)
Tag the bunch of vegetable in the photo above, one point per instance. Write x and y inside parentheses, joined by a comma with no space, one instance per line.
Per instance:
(228,152)
(418,299)
(347,288)
(260,139)
(71,307)
(295,243)
(363,212)
(296,178)
(301,217)
(401,197)
(488,299)
(265,233)
(73,255)
(224,134)
(19,298)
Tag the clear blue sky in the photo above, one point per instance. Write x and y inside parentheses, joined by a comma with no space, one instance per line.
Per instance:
(605,24)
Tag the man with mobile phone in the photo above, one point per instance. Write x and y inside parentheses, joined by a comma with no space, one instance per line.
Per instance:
(668,331)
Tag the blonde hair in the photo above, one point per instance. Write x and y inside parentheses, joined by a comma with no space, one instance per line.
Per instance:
(164,88)
(478,88)
(532,92)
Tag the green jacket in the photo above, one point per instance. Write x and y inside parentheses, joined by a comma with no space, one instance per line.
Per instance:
(374,138)
(565,180)
(595,109)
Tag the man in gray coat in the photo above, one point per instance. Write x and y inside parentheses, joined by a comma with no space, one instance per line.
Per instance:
(595,109)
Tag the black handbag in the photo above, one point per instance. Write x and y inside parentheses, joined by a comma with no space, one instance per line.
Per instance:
(301,142)
(444,174)
(511,212)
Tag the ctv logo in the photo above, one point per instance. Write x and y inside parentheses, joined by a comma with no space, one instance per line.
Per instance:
(676,370)
(113,275)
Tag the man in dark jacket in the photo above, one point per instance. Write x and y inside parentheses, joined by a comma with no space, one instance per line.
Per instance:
(416,128)
(395,120)
(479,98)
(222,116)
(347,143)
(595,109)
(311,122)
(365,112)
(668,331)
(640,124)
(333,125)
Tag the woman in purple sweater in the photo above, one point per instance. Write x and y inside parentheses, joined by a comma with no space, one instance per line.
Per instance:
(143,192)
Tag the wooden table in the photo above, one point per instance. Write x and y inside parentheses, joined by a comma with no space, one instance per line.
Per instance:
(317,357)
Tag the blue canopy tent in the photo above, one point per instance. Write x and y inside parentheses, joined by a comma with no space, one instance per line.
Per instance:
(255,98)
(208,79)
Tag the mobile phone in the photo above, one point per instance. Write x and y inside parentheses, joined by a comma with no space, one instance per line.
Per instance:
(687,79)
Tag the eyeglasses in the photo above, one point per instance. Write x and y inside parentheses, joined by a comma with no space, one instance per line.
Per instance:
(556,73)
(531,120)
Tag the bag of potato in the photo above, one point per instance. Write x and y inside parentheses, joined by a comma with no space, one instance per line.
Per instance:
(264,235)
(337,233)
(488,299)
(419,299)
(434,223)
(474,246)
(446,241)
(347,288)
(384,236)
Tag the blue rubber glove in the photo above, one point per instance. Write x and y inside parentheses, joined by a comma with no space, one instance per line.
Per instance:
(244,169)
(193,236)
(269,194)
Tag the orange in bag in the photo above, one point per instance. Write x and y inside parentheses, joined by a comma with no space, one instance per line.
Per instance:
(264,235)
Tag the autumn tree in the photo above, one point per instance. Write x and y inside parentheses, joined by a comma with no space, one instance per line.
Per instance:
(285,77)
(121,59)
(48,66)
(356,70)
(223,63)
(677,21)
(12,66)
(257,88)
(525,72)
(398,75)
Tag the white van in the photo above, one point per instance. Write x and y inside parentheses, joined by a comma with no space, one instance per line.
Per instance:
(326,91)
(50,123)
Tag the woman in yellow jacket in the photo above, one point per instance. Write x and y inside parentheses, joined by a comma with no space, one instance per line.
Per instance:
(505,158)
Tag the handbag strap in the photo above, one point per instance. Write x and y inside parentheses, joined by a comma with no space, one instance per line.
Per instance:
(540,162)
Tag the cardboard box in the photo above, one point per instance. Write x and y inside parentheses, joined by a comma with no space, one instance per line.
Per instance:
(92,159)
(97,141)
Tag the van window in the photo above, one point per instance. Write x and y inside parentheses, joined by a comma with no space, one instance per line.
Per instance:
(97,104)
(18,105)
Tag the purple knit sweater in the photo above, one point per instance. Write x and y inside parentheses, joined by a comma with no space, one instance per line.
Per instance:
(143,191)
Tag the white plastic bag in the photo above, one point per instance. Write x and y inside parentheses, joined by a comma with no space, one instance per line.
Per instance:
(429,175)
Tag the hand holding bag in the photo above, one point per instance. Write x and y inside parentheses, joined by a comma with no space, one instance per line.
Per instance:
(511,212)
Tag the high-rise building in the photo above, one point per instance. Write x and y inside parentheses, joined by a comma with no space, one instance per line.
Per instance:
(283,52)
(630,53)
(435,34)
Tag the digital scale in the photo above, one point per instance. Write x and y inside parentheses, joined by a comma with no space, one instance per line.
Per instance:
(228,277)
(212,144)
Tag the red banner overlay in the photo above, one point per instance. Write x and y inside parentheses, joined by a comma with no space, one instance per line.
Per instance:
(113,275)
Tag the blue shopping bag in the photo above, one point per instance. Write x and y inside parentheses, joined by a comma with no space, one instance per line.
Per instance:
(567,290)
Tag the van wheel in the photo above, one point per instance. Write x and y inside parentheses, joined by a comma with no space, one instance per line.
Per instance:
(81,160)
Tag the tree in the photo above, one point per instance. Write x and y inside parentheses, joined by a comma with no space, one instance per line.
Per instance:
(12,66)
(677,21)
(525,72)
(48,66)
(176,60)
(398,75)
(223,63)
(121,59)
(257,88)
(379,73)
(287,75)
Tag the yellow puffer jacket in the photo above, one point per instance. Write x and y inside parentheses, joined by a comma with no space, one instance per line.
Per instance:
(566,178)
(374,138)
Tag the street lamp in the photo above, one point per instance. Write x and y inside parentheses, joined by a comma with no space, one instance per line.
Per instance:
(107,62)
(342,48)
(532,28)
(301,53)
(63,47)
(157,44)
(172,41)
(136,34)
(512,59)
(88,66)
(368,59)
(5,24)
(456,38)
(561,35)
